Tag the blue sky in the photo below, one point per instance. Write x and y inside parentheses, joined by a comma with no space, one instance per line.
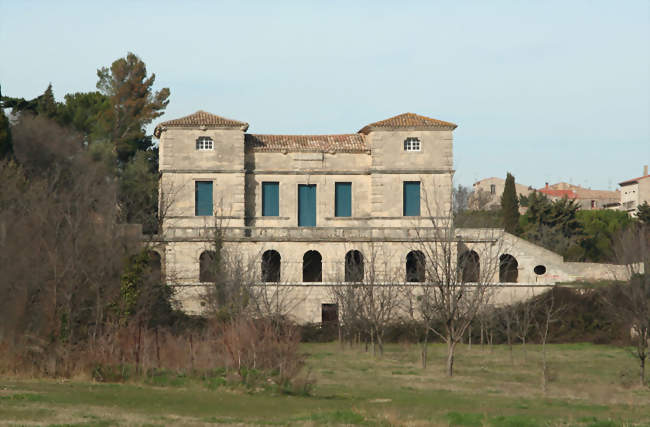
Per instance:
(548,90)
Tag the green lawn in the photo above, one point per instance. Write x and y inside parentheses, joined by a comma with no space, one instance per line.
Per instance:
(590,386)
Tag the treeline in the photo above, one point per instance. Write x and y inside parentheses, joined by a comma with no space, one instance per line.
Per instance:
(109,124)
(558,225)
(81,290)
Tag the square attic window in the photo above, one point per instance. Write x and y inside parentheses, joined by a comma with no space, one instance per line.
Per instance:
(412,144)
(204,143)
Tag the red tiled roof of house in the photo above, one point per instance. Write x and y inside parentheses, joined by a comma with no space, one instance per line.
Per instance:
(347,143)
(409,120)
(569,194)
(632,181)
(201,118)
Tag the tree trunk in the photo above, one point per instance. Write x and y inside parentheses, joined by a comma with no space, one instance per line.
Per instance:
(544,369)
(380,344)
(451,348)
(423,353)
(642,370)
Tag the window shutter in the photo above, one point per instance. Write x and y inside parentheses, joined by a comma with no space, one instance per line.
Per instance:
(270,199)
(343,199)
(306,205)
(203,198)
(412,198)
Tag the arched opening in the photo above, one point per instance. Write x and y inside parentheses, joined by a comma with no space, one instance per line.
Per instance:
(354,266)
(415,266)
(271,261)
(312,267)
(207,266)
(508,269)
(469,267)
(155,266)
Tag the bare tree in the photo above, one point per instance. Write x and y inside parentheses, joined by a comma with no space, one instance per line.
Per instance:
(506,318)
(56,289)
(461,196)
(522,318)
(370,295)
(480,200)
(459,273)
(547,312)
(629,302)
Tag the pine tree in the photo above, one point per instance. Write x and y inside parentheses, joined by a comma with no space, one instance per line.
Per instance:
(510,206)
(133,103)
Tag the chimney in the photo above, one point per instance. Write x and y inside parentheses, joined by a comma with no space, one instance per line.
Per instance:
(645,170)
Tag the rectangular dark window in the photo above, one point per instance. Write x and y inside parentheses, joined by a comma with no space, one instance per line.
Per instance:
(306,205)
(270,199)
(411,198)
(203,198)
(343,199)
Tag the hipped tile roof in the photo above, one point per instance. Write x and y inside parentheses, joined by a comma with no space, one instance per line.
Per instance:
(408,120)
(201,118)
(347,143)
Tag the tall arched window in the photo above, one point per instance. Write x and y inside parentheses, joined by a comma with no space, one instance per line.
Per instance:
(469,267)
(312,267)
(508,269)
(415,266)
(208,267)
(271,261)
(354,266)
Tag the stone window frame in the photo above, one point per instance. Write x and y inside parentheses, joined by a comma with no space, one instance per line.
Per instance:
(412,145)
(204,143)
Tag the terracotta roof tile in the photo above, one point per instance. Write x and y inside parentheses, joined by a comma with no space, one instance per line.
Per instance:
(632,181)
(569,194)
(201,118)
(409,120)
(347,143)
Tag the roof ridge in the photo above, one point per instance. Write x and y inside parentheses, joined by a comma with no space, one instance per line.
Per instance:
(201,118)
(408,120)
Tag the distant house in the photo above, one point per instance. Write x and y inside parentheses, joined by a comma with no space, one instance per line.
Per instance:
(635,192)
(487,193)
(587,198)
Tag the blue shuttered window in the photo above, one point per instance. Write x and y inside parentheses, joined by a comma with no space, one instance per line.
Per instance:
(306,205)
(203,198)
(412,198)
(270,199)
(343,199)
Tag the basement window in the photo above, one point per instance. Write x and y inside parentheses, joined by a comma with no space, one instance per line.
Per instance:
(204,143)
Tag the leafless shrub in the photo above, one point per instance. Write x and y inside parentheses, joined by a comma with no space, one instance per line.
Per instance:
(61,249)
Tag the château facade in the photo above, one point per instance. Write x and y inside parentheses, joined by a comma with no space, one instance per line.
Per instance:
(300,210)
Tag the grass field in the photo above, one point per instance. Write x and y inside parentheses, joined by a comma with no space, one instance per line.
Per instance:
(590,386)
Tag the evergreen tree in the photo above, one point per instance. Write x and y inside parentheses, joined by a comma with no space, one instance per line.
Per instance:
(643,213)
(46,104)
(6,148)
(133,103)
(510,206)
(86,112)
